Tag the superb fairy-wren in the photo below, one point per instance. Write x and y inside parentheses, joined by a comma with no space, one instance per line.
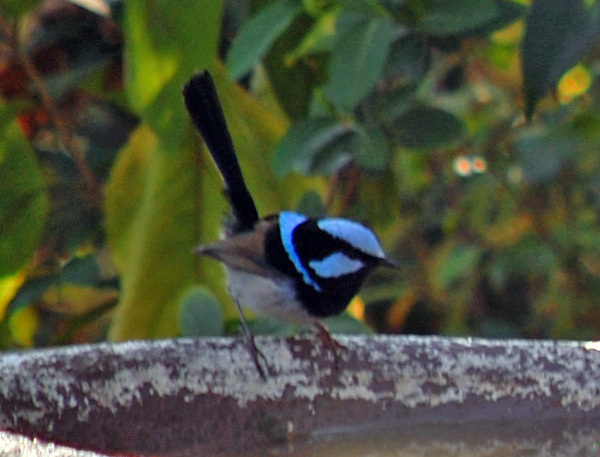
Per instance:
(287,266)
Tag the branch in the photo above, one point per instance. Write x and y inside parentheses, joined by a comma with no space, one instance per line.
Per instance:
(65,134)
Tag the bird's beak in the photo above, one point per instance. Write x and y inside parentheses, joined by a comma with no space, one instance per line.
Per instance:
(388,263)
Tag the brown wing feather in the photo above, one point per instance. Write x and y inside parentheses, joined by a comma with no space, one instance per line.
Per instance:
(244,251)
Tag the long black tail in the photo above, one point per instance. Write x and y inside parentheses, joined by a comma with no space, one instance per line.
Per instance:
(203,104)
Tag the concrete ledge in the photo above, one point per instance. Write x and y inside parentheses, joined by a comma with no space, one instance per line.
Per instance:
(14,445)
(197,397)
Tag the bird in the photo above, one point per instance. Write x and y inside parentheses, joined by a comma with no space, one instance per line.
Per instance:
(286,266)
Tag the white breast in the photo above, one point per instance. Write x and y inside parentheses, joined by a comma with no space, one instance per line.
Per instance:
(267,296)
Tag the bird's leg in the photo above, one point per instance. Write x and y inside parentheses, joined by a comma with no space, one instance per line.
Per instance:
(326,338)
(250,343)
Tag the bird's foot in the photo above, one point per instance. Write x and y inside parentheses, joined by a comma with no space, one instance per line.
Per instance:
(328,340)
(255,353)
(253,350)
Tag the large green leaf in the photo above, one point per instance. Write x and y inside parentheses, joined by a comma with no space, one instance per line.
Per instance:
(424,127)
(457,17)
(152,225)
(371,149)
(507,12)
(358,58)
(293,80)
(298,150)
(320,37)
(558,35)
(165,44)
(23,200)
(257,35)
(17,8)
(409,59)
(542,155)
(201,314)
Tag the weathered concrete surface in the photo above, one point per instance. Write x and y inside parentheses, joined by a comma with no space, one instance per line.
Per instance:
(13,445)
(203,397)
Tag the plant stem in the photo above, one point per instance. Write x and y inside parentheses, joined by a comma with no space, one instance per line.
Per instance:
(65,134)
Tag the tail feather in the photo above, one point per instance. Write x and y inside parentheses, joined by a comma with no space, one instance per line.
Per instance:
(202,103)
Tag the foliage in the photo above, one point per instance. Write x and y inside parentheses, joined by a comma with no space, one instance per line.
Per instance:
(409,114)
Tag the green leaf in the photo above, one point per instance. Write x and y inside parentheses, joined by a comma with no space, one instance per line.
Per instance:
(319,38)
(31,292)
(385,106)
(257,35)
(317,8)
(423,127)
(371,149)
(312,205)
(409,59)
(358,59)
(542,156)
(508,12)
(294,81)
(366,8)
(265,326)
(201,314)
(457,17)
(23,200)
(163,49)
(529,257)
(333,156)
(17,8)
(558,34)
(151,229)
(304,141)
(341,324)
(81,271)
(456,265)
(346,324)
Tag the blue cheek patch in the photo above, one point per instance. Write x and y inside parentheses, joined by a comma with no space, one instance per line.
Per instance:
(355,234)
(336,265)
(288,221)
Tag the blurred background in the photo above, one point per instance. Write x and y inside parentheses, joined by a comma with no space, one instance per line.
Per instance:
(465,133)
